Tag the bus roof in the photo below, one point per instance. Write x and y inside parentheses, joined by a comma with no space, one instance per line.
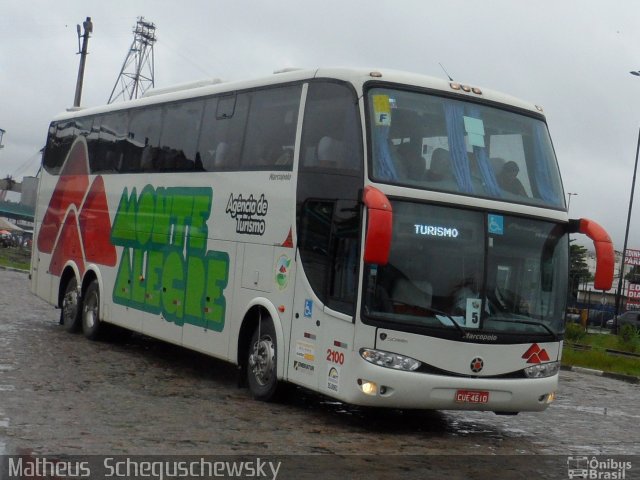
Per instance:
(356,76)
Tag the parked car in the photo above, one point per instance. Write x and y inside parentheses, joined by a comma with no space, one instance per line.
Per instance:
(631,317)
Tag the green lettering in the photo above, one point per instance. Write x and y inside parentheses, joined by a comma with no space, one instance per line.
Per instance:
(180,215)
(123,231)
(155,262)
(198,231)
(122,287)
(173,287)
(217,278)
(137,277)
(145,215)
(161,219)
(193,304)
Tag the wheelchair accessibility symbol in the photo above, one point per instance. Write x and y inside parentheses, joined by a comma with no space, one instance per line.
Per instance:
(308,308)
(496,224)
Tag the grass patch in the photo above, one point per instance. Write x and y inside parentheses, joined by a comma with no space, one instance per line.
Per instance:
(15,258)
(598,359)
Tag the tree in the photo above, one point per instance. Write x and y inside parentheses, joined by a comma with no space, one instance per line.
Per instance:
(633,276)
(578,268)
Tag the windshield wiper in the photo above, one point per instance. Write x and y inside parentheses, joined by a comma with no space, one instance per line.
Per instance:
(525,322)
(437,312)
(455,324)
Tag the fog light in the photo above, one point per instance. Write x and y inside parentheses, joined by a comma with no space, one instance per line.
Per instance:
(368,388)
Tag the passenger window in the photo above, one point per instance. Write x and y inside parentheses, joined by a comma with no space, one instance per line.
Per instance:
(59,140)
(271,129)
(143,152)
(331,129)
(222,132)
(179,139)
(112,143)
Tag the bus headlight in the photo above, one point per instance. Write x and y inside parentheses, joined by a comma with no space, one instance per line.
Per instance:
(389,360)
(542,370)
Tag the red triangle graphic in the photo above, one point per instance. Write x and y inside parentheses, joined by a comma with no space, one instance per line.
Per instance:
(288,242)
(533,349)
(68,247)
(544,356)
(95,226)
(534,359)
(70,189)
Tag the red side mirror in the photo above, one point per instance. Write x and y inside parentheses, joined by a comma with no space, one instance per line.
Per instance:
(605,256)
(379,227)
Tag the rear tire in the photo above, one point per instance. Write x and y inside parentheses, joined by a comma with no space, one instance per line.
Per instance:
(262,361)
(71,309)
(92,327)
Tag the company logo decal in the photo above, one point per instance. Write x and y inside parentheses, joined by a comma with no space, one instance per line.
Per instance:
(76,224)
(477,364)
(535,354)
(246,212)
(333,379)
(303,367)
(165,267)
(282,273)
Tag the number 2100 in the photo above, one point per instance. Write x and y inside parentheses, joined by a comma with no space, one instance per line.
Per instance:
(335,357)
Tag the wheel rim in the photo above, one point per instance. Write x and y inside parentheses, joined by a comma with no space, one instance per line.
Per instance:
(91,311)
(262,360)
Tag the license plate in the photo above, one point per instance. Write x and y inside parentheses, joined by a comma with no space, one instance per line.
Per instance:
(472,396)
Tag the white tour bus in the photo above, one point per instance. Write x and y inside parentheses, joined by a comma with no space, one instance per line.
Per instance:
(384,238)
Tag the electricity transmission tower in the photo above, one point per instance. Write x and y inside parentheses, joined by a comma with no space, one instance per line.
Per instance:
(136,75)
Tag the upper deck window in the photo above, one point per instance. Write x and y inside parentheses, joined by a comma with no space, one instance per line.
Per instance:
(435,143)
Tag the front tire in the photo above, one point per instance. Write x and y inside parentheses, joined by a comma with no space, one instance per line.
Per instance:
(92,327)
(262,361)
(71,310)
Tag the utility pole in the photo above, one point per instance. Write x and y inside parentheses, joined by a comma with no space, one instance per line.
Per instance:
(137,72)
(88,29)
(2,132)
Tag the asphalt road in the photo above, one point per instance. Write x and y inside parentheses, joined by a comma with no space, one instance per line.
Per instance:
(63,395)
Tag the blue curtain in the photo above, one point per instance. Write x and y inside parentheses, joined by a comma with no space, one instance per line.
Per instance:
(384,168)
(482,157)
(453,114)
(541,173)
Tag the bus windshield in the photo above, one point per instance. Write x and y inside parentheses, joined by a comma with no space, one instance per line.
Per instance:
(453,268)
(437,143)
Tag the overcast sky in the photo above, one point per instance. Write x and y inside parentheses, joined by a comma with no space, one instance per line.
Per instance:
(571,57)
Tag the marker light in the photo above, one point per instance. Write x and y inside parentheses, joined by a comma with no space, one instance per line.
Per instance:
(542,370)
(454,86)
(389,360)
(476,90)
(465,88)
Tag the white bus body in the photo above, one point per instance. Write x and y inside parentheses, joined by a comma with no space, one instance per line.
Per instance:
(171,216)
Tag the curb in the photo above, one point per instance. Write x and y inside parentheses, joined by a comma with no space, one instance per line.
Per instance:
(11,269)
(600,373)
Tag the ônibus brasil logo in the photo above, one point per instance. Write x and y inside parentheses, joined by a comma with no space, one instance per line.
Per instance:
(164,268)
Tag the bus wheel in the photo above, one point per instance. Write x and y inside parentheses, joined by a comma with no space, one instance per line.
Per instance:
(71,311)
(92,326)
(262,361)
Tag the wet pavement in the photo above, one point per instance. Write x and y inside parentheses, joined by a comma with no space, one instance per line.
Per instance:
(62,394)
